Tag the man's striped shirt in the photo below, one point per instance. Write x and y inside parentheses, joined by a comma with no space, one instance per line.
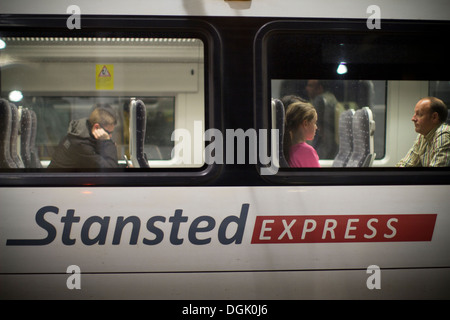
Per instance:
(432,150)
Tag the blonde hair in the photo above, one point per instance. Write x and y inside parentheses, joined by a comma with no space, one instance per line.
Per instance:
(296,113)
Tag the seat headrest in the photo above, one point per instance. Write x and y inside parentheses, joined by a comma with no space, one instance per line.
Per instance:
(5,135)
(138,123)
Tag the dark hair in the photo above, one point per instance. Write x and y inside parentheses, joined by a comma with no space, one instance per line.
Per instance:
(324,83)
(289,99)
(437,105)
(103,114)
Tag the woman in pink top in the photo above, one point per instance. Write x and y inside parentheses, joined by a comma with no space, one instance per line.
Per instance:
(301,119)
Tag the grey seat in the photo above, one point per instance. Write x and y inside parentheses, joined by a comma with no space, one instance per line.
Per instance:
(363,139)
(25,138)
(279,115)
(35,161)
(138,121)
(345,139)
(14,136)
(6,161)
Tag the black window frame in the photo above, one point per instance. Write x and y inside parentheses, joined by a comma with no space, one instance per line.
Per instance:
(263,75)
(125,26)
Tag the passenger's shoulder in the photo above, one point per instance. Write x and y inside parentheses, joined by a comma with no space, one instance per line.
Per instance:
(444,129)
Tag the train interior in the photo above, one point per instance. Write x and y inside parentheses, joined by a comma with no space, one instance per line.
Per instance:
(59,79)
(389,106)
(49,81)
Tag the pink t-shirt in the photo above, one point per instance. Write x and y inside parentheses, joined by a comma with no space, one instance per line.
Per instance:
(303,156)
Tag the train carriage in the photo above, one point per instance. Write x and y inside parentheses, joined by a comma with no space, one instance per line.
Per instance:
(200,204)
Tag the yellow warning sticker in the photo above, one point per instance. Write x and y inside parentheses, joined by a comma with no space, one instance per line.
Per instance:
(104,76)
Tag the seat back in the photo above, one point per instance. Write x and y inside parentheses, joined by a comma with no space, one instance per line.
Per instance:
(5,135)
(138,121)
(363,139)
(278,116)
(35,161)
(25,137)
(15,121)
(345,139)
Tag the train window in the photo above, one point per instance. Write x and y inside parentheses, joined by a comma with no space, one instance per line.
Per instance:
(57,112)
(331,98)
(342,97)
(60,81)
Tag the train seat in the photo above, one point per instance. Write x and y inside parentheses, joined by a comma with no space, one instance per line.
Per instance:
(14,136)
(363,139)
(279,114)
(35,161)
(138,122)
(345,138)
(5,135)
(25,137)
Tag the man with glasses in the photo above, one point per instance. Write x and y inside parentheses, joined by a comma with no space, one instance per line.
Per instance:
(432,146)
(88,143)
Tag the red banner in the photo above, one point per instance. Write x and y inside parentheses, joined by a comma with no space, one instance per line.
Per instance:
(344,228)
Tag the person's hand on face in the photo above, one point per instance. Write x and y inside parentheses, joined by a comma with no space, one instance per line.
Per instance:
(101,133)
